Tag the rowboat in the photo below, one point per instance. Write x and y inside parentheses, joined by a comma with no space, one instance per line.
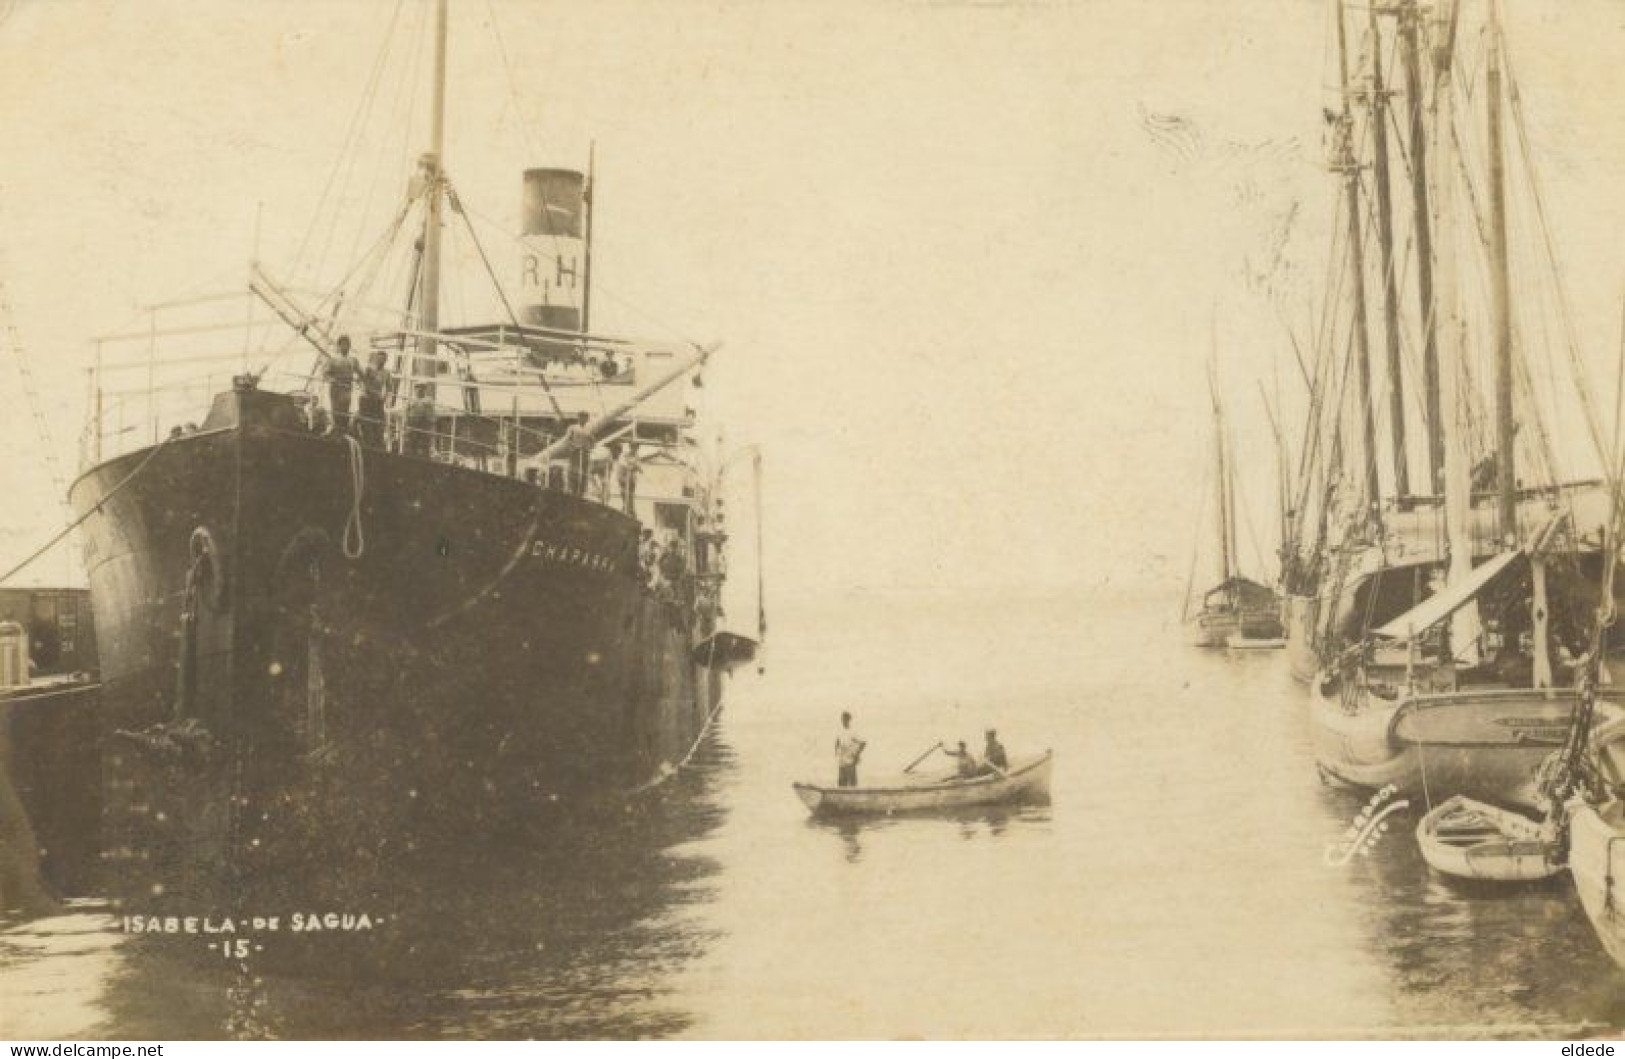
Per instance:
(1472,840)
(1026,780)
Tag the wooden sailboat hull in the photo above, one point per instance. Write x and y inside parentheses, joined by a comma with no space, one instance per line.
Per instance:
(1230,627)
(1596,860)
(1300,637)
(1483,744)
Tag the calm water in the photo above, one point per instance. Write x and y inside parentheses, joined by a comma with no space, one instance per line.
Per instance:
(1177,885)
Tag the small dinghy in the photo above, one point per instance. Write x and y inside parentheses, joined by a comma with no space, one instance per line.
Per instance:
(1242,641)
(1471,840)
(1025,780)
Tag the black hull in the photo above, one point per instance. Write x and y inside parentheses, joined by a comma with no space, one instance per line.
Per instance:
(488,659)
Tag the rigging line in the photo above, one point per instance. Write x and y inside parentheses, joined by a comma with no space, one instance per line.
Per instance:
(407,98)
(1247,520)
(384,241)
(458,208)
(1327,359)
(291,341)
(374,255)
(380,254)
(76,523)
(598,287)
(1522,369)
(1196,548)
(531,142)
(363,106)
(1520,126)
(36,410)
(352,163)
(525,130)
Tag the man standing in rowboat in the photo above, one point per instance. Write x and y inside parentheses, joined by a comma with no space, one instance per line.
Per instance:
(848,749)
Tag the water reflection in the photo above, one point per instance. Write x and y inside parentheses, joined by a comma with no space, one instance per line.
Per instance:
(568,935)
(969,822)
(1178,885)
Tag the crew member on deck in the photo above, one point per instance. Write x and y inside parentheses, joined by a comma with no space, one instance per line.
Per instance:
(626,473)
(375,381)
(648,556)
(340,372)
(848,751)
(420,416)
(600,463)
(578,445)
(674,570)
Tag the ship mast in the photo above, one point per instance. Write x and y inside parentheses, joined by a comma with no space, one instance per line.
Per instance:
(1345,161)
(1222,495)
(586,248)
(1506,471)
(1451,425)
(1410,17)
(434,176)
(1385,243)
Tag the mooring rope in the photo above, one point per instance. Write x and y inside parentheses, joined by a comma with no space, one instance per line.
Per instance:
(76,523)
(355,541)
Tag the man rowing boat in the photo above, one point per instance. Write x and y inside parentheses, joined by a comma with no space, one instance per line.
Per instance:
(967,767)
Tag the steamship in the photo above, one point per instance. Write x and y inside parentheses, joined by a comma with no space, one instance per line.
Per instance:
(326,651)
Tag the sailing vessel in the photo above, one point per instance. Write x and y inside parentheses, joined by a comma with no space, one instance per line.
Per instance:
(324,651)
(1443,626)
(1238,611)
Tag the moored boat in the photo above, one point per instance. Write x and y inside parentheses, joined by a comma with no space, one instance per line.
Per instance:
(486,604)
(1246,640)
(1468,839)
(1596,827)
(1025,781)
(1447,625)
(1238,607)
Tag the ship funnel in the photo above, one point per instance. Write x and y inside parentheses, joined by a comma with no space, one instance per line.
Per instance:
(552,261)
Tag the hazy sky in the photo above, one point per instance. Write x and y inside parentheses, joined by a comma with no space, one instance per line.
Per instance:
(966,295)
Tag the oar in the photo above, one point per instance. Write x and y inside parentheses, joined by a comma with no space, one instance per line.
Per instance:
(922,757)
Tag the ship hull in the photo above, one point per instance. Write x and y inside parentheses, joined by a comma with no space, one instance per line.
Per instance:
(1227,627)
(1487,745)
(1300,637)
(1594,840)
(317,656)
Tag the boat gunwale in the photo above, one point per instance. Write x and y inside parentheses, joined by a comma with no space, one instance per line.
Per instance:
(950,785)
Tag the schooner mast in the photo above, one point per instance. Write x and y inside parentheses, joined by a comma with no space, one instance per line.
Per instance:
(1500,283)
(1385,245)
(1410,18)
(1344,160)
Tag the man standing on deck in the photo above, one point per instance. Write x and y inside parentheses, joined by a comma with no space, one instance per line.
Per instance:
(578,446)
(375,382)
(419,427)
(626,474)
(340,372)
(848,749)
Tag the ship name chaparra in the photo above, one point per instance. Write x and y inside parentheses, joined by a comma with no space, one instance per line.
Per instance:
(553,552)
